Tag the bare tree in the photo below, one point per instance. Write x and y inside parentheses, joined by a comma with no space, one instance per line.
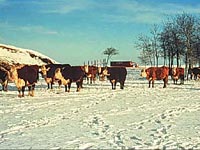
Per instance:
(146,55)
(163,44)
(110,52)
(186,28)
(155,45)
(171,42)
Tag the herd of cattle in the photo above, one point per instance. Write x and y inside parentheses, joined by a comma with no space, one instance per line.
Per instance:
(64,74)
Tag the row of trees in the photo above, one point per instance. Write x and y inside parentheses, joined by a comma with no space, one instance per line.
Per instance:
(178,39)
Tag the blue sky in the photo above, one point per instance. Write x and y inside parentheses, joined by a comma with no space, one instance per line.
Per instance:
(74,31)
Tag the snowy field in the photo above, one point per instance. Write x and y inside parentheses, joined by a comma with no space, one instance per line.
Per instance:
(100,118)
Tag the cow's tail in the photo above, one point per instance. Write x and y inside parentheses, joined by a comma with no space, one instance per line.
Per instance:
(37,75)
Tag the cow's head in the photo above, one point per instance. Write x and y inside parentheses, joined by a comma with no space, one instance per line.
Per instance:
(143,73)
(13,73)
(173,71)
(86,69)
(105,72)
(59,76)
(99,69)
(13,76)
(43,70)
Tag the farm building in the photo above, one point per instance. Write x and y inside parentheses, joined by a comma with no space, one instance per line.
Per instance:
(123,63)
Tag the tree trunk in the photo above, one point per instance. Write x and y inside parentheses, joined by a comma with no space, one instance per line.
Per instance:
(186,65)
(156,61)
(177,59)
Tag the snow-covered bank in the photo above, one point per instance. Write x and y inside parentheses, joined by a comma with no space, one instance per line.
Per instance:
(98,117)
(11,54)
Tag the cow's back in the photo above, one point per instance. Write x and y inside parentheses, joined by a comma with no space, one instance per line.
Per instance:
(74,73)
(52,68)
(157,73)
(77,73)
(29,73)
(117,73)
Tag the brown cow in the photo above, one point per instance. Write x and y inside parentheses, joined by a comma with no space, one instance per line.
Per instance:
(115,74)
(156,73)
(69,74)
(25,75)
(4,78)
(50,73)
(195,72)
(177,73)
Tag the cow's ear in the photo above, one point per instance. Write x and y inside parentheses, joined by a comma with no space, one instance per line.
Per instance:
(57,70)
(86,68)
(12,67)
(99,69)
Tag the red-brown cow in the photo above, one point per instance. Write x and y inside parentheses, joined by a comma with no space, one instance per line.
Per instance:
(156,73)
(177,73)
(91,73)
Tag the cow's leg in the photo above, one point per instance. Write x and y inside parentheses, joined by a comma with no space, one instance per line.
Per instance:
(195,77)
(87,78)
(32,90)
(59,84)
(182,79)
(112,85)
(115,83)
(78,86)
(69,86)
(81,83)
(29,90)
(94,79)
(23,89)
(149,83)
(5,86)
(165,82)
(47,85)
(66,88)
(51,85)
(19,92)
(152,83)
(190,76)
(122,85)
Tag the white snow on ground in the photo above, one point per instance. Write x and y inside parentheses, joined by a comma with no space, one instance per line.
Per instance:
(100,118)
